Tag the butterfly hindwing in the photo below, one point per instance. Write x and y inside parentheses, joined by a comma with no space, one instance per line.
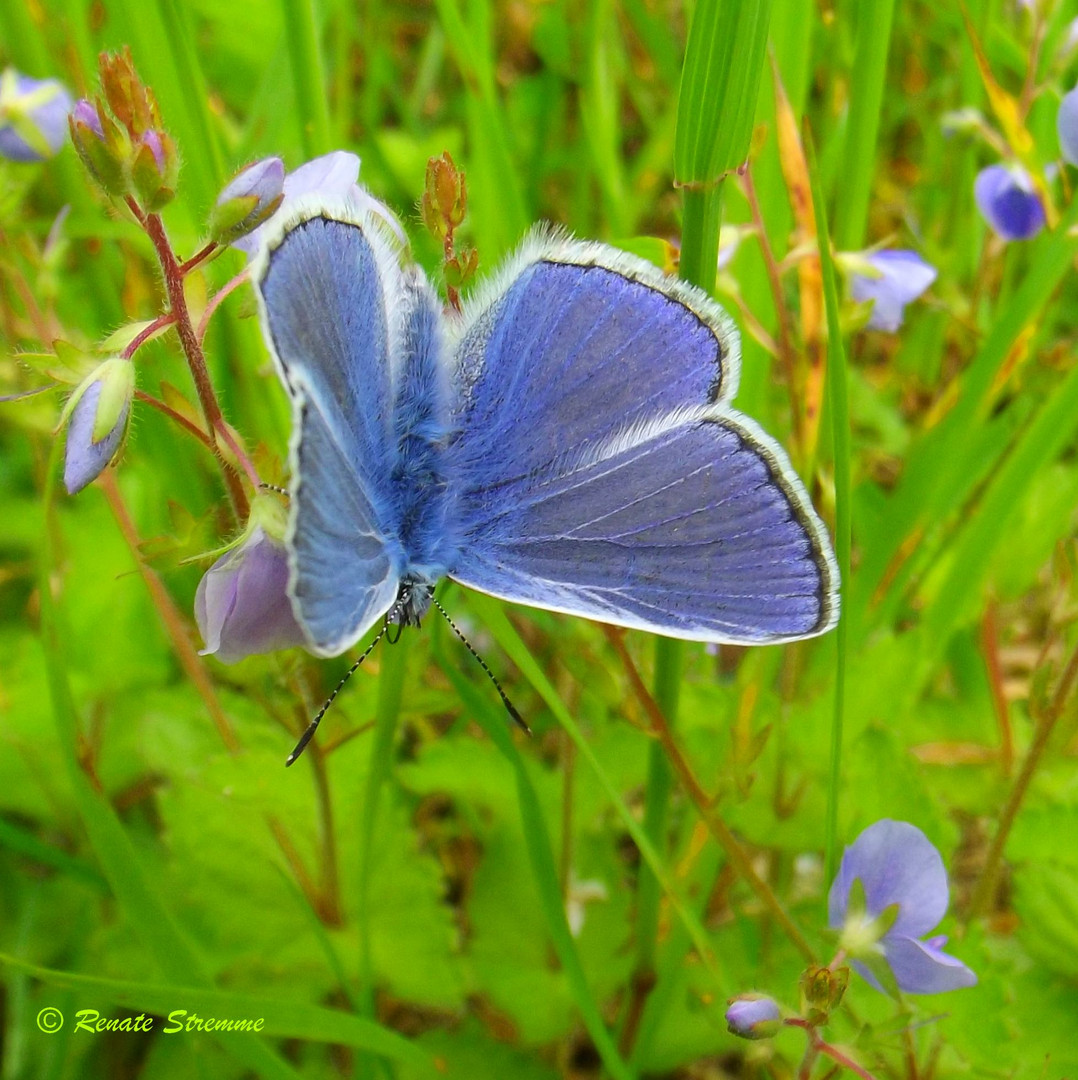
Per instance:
(330,288)
(600,471)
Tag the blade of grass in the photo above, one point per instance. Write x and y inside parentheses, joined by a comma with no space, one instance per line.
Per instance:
(499,215)
(874,22)
(121,863)
(545,872)
(497,622)
(387,713)
(942,467)
(838,406)
(308,73)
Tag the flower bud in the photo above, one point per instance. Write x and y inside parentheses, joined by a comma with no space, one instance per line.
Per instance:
(1006,197)
(153,168)
(821,991)
(121,140)
(248,200)
(241,605)
(1067,126)
(102,146)
(445,200)
(753,1016)
(33,116)
(97,416)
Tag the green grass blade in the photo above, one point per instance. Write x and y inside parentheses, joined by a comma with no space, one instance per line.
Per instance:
(545,871)
(121,863)
(874,22)
(308,73)
(720,82)
(839,407)
(496,621)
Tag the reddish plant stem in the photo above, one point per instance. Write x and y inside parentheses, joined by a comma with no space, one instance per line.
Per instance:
(196,360)
(198,257)
(817,1044)
(1046,723)
(784,349)
(735,853)
(179,418)
(990,647)
(174,623)
(144,335)
(215,302)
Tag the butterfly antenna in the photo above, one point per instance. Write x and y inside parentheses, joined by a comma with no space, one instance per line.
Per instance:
(510,707)
(312,727)
(277,488)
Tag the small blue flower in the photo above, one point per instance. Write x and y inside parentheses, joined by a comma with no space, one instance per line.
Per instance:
(241,604)
(33,116)
(897,278)
(1008,202)
(1067,126)
(901,874)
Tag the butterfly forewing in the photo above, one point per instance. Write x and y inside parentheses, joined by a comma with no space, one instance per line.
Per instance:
(599,471)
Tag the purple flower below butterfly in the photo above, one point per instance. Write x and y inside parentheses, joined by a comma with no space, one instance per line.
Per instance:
(333,177)
(1008,202)
(1067,126)
(241,605)
(898,278)
(898,868)
(33,116)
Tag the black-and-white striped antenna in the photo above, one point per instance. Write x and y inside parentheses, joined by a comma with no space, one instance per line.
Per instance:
(483,664)
(312,727)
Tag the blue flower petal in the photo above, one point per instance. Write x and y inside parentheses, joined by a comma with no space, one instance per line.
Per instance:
(897,864)
(922,969)
(903,276)
(1008,202)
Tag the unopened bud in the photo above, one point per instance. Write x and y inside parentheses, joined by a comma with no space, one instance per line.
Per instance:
(97,416)
(753,1016)
(821,991)
(445,198)
(248,200)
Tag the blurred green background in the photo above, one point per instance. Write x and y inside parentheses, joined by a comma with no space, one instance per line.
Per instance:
(395,905)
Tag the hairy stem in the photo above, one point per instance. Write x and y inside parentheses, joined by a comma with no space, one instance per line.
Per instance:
(196,360)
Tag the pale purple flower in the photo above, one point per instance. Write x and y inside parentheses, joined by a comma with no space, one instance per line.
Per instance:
(753,1016)
(901,277)
(898,867)
(333,177)
(1067,126)
(33,116)
(1008,202)
(242,606)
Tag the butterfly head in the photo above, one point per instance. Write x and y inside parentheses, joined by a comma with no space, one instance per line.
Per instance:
(412,603)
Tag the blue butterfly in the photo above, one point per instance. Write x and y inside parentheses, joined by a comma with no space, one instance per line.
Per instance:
(566,441)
